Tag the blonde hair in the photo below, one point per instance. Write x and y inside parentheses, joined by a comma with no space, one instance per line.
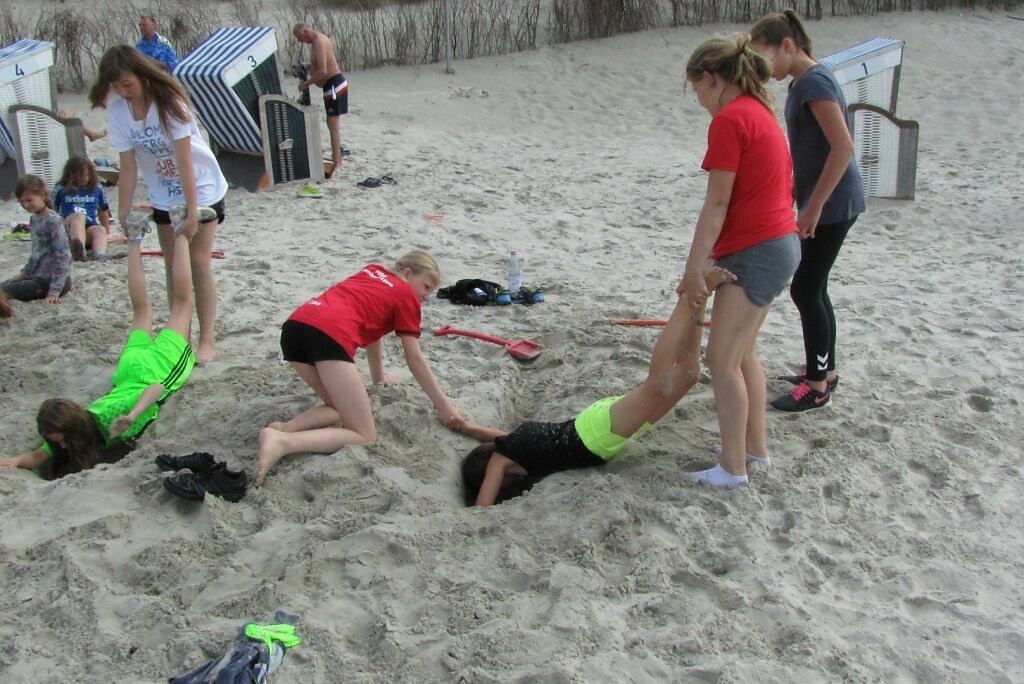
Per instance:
(732,60)
(419,261)
(773,28)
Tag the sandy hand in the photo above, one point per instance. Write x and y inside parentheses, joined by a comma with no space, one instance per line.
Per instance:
(120,424)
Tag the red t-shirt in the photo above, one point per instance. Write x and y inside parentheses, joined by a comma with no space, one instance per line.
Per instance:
(745,138)
(363,308)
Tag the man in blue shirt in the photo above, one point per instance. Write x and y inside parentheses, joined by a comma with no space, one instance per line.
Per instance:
(155,46)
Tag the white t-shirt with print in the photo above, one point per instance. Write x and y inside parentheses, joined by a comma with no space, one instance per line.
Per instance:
(154,155)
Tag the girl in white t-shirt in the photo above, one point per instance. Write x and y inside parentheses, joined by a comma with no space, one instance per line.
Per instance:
(155,133)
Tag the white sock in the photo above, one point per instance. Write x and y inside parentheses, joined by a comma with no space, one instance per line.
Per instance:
(760,460)
(719,478)
(751,458)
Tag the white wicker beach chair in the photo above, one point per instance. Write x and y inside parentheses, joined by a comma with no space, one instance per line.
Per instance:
(45,142)
(886,147)
(26,78)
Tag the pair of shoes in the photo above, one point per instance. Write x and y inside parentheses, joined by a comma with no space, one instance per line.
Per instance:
(77,250)
(197,462)
(802,398)
(310,190)
(528,295)
(137,224)
(178,214)
(207,476)
(802,375)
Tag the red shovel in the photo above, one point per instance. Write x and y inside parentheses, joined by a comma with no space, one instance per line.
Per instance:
(521,350)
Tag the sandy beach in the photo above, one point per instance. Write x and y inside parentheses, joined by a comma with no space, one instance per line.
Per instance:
(884,544)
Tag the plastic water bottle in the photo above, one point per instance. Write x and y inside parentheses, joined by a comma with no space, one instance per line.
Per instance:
(515,276)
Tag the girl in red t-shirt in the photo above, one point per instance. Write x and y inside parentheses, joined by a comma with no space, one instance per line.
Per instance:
(748,227)
(320,340)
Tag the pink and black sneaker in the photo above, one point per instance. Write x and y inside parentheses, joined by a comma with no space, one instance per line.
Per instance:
(802,398)
(802,375)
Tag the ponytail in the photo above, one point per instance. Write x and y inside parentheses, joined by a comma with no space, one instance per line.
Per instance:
(734,61)
(773,28)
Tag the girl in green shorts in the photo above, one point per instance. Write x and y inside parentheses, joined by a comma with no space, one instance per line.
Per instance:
(148,372)
(509,463)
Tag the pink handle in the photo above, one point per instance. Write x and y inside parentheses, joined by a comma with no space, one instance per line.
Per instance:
(448,330)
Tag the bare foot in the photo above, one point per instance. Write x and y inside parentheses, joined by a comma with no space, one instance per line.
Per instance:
(715,276)
(277,425)
(206,353)
(271,451)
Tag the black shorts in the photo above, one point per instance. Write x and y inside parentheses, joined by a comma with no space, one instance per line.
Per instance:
(162,218)
(336,96)
(302,343)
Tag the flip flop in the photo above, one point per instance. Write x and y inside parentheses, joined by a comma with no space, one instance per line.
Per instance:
(388,180)
(371,182)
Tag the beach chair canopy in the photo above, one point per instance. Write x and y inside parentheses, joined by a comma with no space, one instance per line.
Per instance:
(45,142)
(225,76)
(869,72)
(26,78)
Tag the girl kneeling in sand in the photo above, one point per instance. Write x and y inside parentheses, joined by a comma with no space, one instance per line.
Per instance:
(148,372)
(509,463)
(320,340)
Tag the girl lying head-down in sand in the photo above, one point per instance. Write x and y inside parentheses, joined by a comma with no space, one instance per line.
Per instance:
(148,372)
(509,463)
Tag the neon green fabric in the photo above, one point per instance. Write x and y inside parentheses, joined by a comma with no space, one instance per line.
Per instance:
(144,361)
(268,634)
(594,426)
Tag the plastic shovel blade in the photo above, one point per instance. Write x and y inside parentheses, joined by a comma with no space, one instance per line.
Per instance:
(521,350)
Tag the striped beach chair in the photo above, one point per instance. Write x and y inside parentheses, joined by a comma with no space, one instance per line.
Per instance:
(291,140)
(225,76)
(26,78)
(886,147)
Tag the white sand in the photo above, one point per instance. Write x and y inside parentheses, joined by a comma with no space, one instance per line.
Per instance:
(884,545)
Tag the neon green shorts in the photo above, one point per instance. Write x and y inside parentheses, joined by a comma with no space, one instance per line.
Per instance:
(167,359)
(594,426)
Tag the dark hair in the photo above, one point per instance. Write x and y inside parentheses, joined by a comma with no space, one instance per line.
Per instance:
(32,184)
(165,91)
(81,434)
(734,61)
(474,468)
(76,165)
(773,28)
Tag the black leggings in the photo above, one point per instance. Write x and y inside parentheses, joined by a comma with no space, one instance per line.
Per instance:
(809,291)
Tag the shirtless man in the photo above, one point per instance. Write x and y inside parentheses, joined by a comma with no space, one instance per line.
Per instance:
(325,73)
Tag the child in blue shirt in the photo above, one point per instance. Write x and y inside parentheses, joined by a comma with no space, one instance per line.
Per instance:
(81,202)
